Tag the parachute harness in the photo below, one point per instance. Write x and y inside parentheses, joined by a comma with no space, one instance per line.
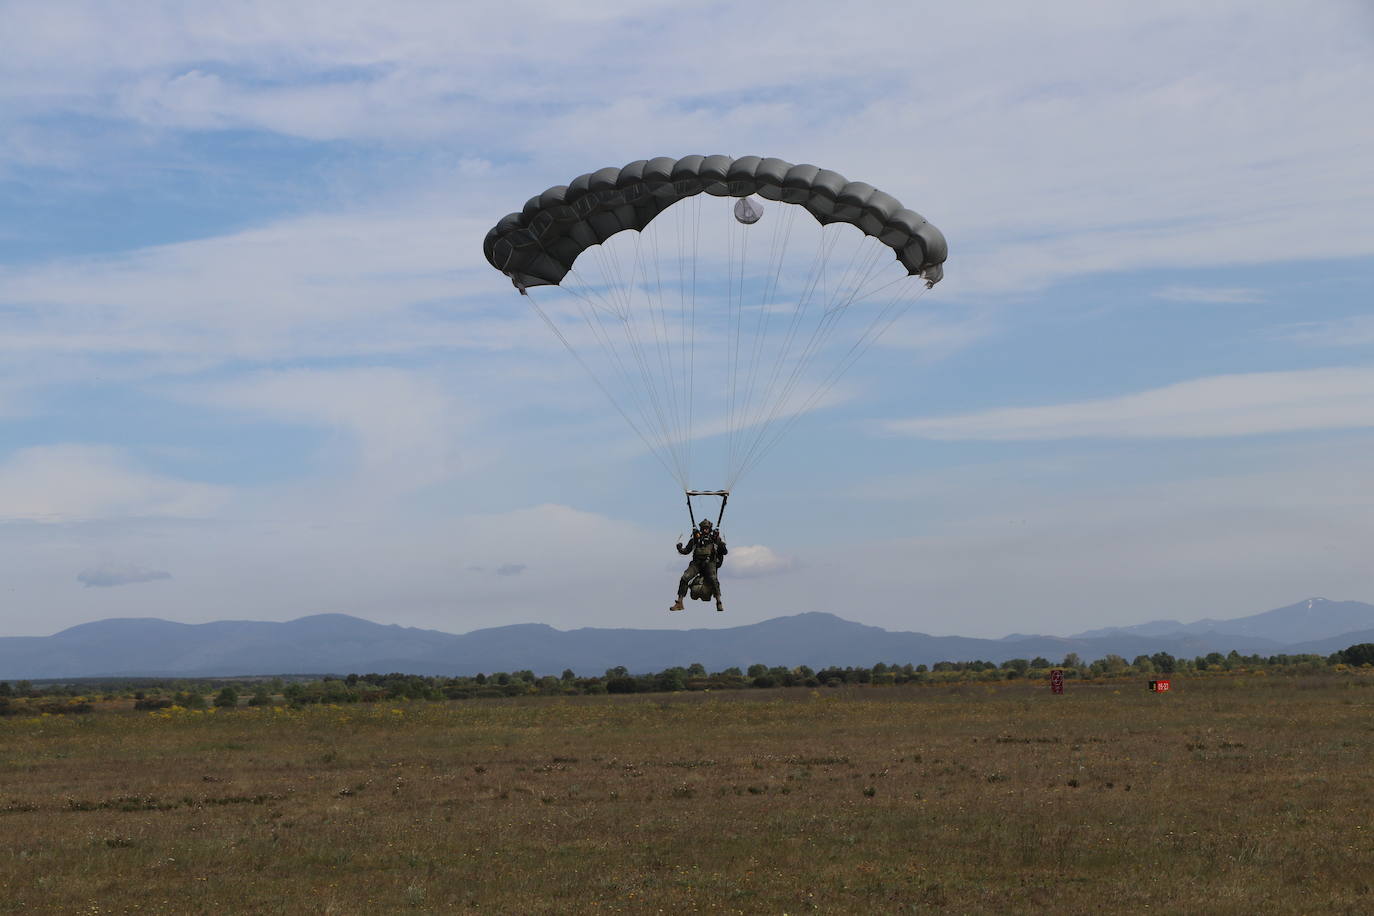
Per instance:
(724,498)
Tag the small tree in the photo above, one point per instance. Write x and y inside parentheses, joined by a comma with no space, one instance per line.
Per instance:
(190,699)
(1072,661)
(1163,662)
(228,697)
(1358,654)
(671,679)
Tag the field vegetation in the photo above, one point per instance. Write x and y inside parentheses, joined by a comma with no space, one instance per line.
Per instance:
(154,693)
(1241,793)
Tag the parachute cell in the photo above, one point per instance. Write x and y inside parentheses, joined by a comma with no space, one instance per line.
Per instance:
(539,245)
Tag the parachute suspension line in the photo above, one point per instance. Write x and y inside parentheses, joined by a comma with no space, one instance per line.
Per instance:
(757,387)
(661,377)
(825,245)
(896,308)
(664,339)
(670,375)
(784,406)
(735,407)
(593,312)
(830,317)
(770,380)
(692,346)
(606,341)
(691,214)
(735,317)
(856,274)
(641,396)
(875,331)
(740,395)
(685,391)
(782,234)
(824,248)
(675,371)
(614,403)
(614,270)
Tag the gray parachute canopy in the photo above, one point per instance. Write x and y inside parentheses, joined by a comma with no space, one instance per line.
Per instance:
(537,246)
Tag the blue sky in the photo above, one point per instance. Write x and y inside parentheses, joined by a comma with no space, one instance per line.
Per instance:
(255,365)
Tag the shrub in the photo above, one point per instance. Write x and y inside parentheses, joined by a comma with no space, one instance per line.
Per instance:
(621,685)
(1358,654)
(152,703)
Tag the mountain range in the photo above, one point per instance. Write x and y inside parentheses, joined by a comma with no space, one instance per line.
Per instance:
(339,644)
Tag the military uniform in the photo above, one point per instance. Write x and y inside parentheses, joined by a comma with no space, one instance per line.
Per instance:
(708,550)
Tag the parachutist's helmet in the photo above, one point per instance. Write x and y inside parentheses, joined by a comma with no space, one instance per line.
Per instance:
(705,524)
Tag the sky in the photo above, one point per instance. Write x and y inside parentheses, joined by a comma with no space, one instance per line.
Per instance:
(254,365)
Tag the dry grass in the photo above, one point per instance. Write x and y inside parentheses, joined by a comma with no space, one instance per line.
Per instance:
(1224,796)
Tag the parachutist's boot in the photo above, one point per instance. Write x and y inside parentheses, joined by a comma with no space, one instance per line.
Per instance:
(677,605)
(719,606)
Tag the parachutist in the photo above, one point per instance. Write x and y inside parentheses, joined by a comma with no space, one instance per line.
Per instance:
(708,551)
(621,328)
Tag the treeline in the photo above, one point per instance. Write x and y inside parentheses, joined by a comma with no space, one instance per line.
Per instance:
(371,688)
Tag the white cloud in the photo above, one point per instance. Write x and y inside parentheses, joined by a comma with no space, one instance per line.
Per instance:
(319,286)
(64,483)
(1210,294)
(279,562)
(934,335)
(750,561)
(1118,551)
(1046,143)
(405,426)
(1035,552)
(1224,405)
(109,577)
(1355,331)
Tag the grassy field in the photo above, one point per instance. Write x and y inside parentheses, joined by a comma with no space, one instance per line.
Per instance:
(1226,795)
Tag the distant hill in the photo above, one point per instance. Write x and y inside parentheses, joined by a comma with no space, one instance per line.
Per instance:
(340,644)
(1306,621)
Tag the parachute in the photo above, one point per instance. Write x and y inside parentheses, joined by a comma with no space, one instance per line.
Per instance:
(711,323)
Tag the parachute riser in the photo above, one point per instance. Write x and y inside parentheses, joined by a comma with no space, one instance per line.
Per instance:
(724,498)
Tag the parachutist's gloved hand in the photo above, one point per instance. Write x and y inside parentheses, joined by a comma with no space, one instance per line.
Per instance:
(679,545)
